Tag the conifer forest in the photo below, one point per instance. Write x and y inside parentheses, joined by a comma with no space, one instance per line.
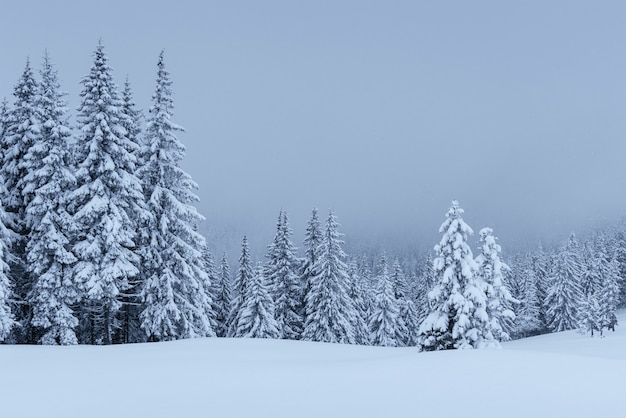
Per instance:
(100,244)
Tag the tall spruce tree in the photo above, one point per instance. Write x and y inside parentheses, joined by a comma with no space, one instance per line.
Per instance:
(357,296)
(281,273)
(458,317)
(384,321)
(7,319)
(222,301)
(54,293)
(408,322)
(106,202)
(490,275)
(312,240)
(608,286)
(256,318)
(329,310)
(564,296)
(130,326)
(242,281)
(176,303)
(540,264)
(22,128)
(425,283)
(528,311)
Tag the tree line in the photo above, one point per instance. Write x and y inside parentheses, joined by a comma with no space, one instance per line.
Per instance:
(99,244)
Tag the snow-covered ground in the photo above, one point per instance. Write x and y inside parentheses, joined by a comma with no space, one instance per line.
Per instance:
(558,375)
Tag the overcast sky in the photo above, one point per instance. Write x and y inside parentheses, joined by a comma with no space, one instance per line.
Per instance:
(382,111)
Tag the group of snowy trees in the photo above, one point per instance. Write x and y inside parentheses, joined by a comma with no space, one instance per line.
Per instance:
(319,297)
(470,303)
(452,301)
(98,232)
(573,286)
(99,244)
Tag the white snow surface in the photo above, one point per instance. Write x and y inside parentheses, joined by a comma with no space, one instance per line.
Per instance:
(558,375)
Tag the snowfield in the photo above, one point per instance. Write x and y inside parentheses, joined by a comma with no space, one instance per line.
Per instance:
(557,375)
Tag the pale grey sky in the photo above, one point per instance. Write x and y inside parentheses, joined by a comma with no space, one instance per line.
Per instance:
(383,111)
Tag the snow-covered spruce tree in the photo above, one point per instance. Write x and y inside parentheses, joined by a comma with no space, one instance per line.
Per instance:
(329,310)
(242,281)
(458,317)
(528,311)
(589,314)
(619,252)
(409,318)
(22,126)
(312,240)
(105,204)
(212,287)
(490,276)
(130,328)
(564,295)
(425,283)
(540,264)
(281,272)
(384,321)
(256,318)
(50,176)
(356,294)
(7,319)
(175,298)
(222,301)
(398,281)
(608,286)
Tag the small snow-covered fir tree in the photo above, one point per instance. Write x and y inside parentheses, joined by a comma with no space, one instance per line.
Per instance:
(106,202)
(329,310)
(398,281)
(425,283)
(256,318)
(458,317)
(564,296)
(356,294)
(242,281)
(490,276)
(589,314)
(528,311)
(54,292)
(312,240)
(410,318)
(608,286)
(176,300)
(384,321)
(281,274)
(540,264)
(408,322)
(212,287)
(223,297)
